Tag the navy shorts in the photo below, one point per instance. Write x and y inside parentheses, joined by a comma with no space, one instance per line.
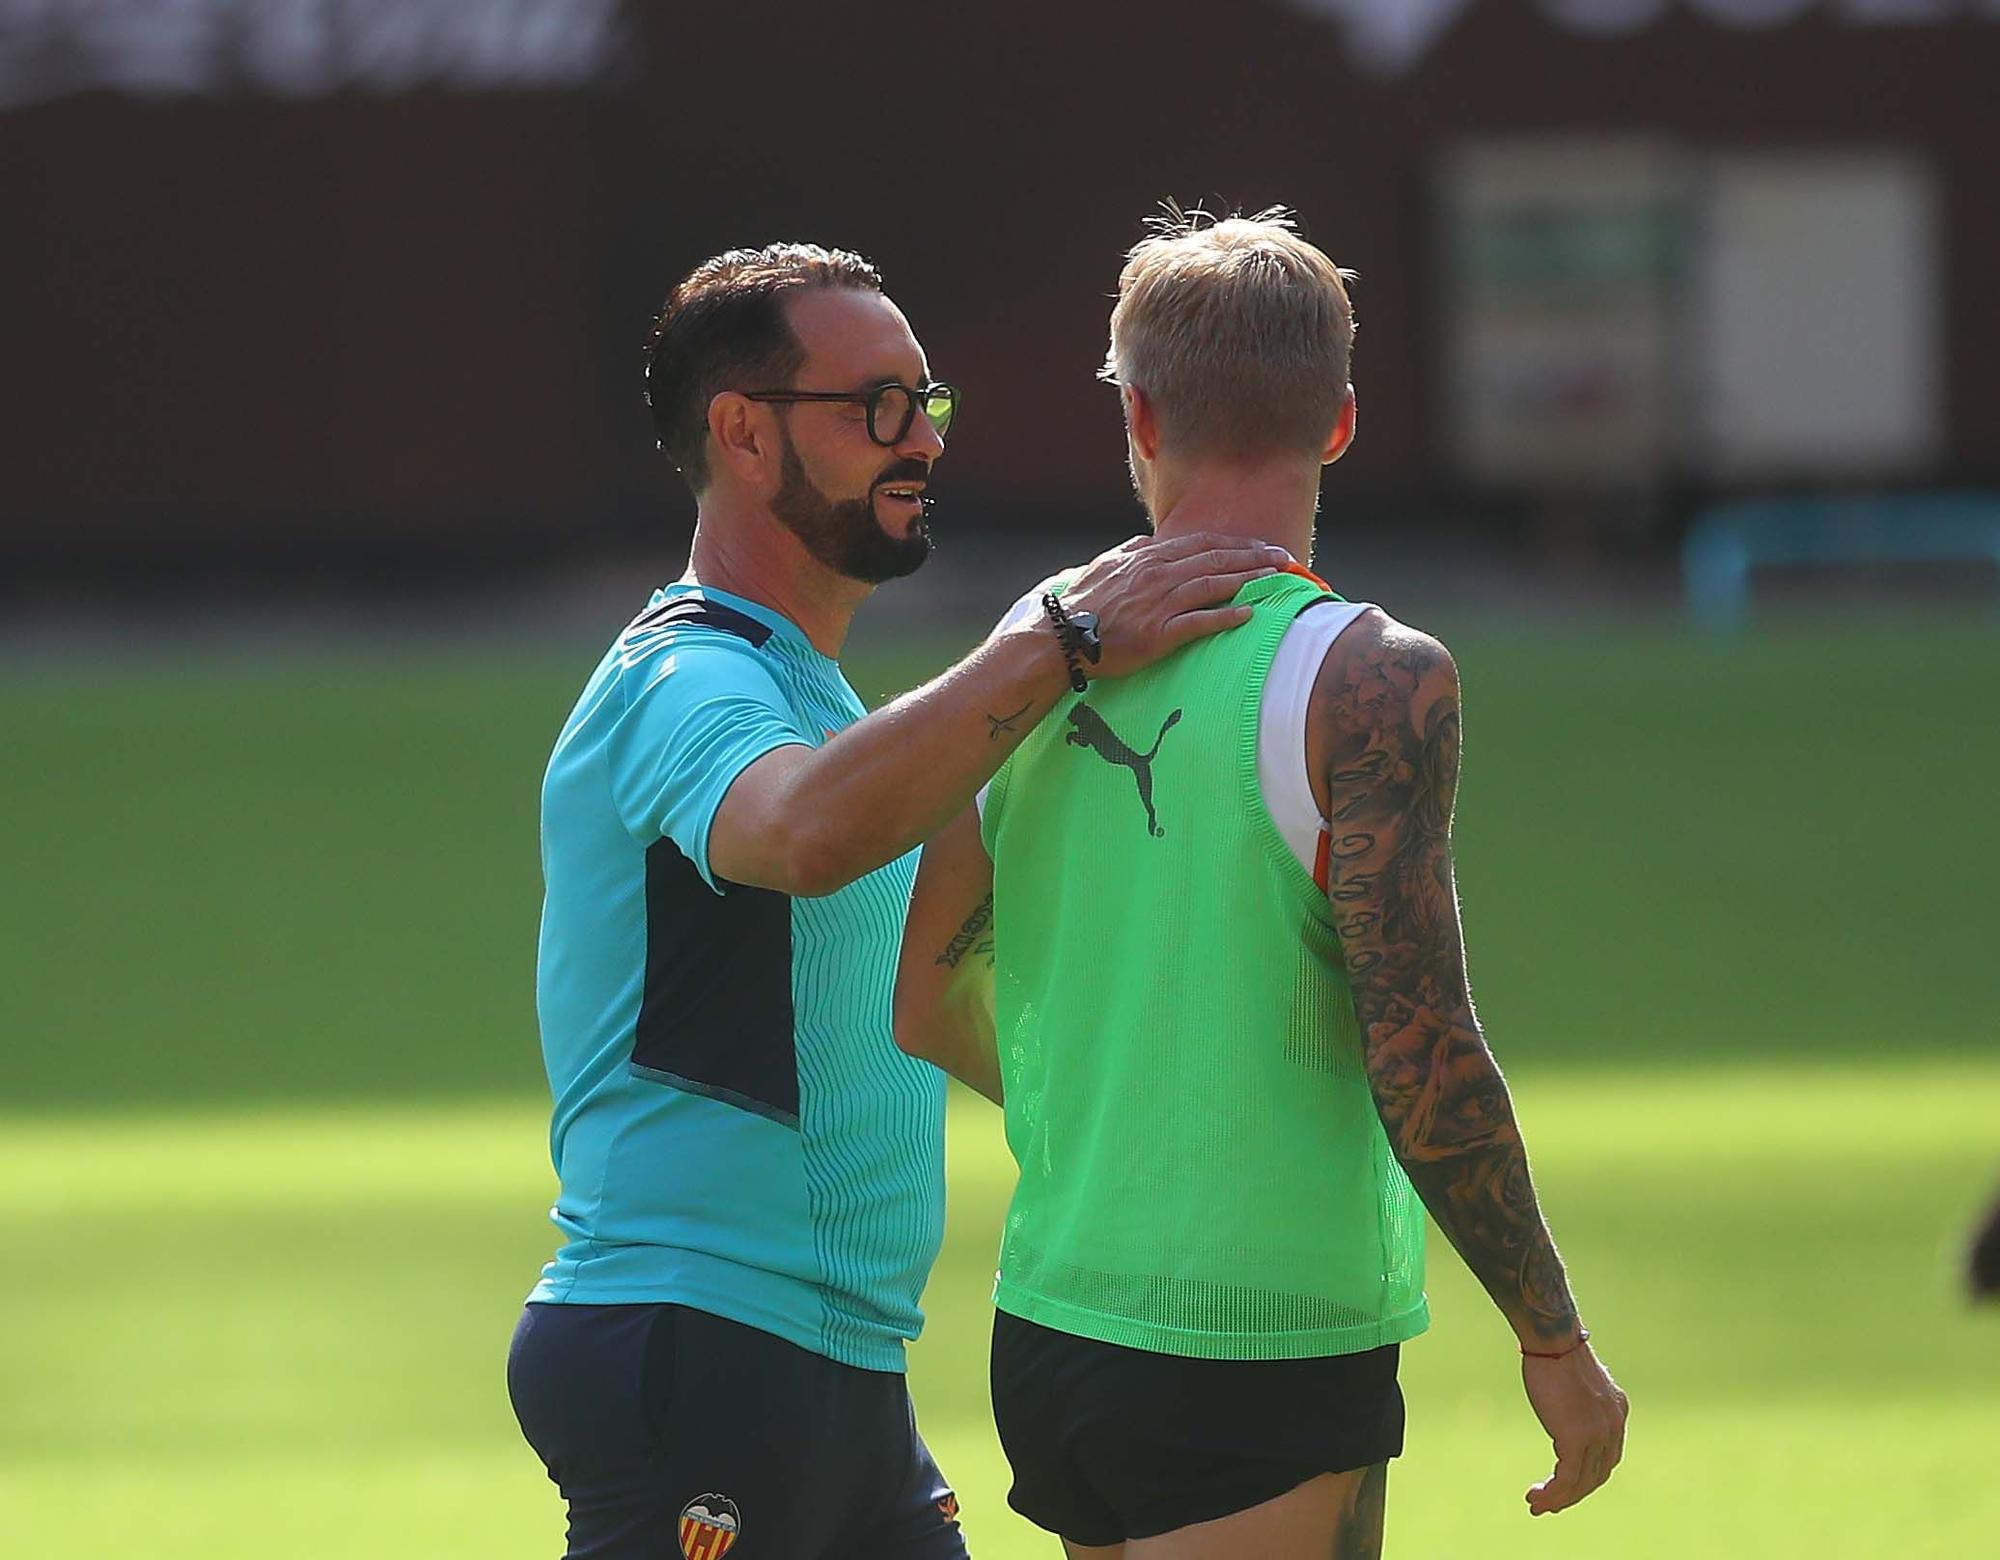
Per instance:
(1109,1443)
(677,1435)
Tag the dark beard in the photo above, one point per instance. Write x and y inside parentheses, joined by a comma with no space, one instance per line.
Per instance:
(846,537)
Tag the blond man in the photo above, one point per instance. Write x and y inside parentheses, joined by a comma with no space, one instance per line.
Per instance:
(1200,936)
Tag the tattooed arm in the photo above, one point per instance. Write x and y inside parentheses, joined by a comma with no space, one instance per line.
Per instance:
(1386,708)
(944,985)
(1382,746)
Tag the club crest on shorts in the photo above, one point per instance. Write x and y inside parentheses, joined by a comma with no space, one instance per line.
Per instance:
(709,1525)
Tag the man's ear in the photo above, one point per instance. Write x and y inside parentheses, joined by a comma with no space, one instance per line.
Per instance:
(742,437)
(1342,438)
(1141,421)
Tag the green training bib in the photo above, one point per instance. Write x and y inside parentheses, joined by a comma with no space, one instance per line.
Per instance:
(1202,1171)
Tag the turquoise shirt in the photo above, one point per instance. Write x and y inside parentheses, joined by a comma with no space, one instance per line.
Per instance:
(735,1129)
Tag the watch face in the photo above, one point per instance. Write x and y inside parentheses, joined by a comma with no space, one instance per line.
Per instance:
(1089,641)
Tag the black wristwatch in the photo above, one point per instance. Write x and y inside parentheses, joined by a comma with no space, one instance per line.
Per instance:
(1077,633)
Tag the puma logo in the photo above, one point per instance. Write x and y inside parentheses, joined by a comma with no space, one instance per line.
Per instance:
(1091,732)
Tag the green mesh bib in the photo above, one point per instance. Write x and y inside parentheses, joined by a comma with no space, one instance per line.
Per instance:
(1202,1171)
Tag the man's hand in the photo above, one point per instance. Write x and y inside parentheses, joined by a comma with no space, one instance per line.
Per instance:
(1154,594)
(1584,1412)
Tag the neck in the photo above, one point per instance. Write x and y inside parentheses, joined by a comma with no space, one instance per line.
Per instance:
(1267,501)
(743,548)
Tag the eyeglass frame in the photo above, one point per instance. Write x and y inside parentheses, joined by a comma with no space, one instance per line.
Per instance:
(870,399)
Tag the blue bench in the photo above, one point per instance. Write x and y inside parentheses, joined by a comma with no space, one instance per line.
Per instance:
(1729,541)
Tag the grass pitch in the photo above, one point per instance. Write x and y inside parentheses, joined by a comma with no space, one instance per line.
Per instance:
(272,1158)
(317,877)
(243,1334)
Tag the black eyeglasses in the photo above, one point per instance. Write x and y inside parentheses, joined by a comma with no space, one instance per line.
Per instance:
(891,408)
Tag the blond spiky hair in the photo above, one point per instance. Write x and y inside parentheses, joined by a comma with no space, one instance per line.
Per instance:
(1237,329)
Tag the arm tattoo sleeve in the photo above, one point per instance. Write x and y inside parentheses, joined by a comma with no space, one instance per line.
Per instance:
(1392,707)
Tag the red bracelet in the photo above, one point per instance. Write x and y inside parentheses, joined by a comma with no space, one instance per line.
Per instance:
(1582,1337)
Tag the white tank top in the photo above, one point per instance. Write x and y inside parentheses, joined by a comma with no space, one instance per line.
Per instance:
(1282,776)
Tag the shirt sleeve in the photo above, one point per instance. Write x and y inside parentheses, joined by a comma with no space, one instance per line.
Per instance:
(704,709)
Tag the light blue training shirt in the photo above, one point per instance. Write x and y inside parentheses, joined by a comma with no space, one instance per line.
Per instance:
(735,1129)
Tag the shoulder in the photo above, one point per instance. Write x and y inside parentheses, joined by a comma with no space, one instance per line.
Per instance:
(691,639)
(1380,674)
(1375,656)
(687,674)
(1028,606)
(691,619)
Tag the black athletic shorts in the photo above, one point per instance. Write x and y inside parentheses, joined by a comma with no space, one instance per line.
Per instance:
(1109,1443)
(677,1435)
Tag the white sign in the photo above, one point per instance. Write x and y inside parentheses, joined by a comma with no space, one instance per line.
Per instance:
(1393,36)
(300,48)
(1817,316)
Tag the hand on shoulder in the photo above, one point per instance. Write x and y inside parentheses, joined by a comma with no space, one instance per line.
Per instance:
(1150,595)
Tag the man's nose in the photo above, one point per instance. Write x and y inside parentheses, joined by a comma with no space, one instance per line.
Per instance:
(922,441)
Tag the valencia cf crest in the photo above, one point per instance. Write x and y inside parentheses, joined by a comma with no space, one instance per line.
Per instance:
(709,1525)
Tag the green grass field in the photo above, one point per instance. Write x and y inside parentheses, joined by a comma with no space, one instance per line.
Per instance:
(272,1163)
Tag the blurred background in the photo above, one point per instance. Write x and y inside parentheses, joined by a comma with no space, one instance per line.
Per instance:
(326,478)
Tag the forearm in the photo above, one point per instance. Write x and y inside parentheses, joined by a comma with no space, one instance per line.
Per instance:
(893,779)
(961,1045)
(809,820)
(944,981)
(1451,1123)
(951,1004)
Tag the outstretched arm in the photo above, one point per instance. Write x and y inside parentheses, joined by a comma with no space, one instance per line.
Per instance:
(1383,740)
(809,821)
(944,985)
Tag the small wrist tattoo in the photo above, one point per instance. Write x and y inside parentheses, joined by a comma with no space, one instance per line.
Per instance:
(1000,723)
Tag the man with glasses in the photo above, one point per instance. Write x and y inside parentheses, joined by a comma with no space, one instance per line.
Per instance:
(752,1184)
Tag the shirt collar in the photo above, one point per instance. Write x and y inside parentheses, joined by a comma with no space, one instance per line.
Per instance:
(774,620)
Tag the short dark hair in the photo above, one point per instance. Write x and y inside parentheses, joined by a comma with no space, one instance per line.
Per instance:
(724,328)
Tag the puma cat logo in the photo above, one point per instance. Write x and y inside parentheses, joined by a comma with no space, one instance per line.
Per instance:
(1091,732)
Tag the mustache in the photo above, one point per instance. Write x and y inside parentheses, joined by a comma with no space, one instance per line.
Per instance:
(903,471)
